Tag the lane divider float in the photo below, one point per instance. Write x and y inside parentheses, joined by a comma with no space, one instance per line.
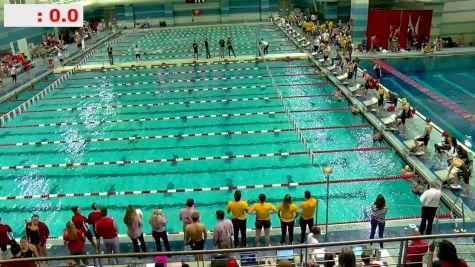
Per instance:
(175,103)
(133,138)
(173,118)
(203,189)
(202,158)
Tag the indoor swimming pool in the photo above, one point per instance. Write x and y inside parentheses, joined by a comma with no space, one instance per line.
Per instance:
(155,136)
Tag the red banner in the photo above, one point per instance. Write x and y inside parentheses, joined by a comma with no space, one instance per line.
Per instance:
(417,22)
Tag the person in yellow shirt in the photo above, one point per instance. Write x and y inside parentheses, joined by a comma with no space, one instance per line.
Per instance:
(308,213)
(238,209)
(262,210)
(287,212)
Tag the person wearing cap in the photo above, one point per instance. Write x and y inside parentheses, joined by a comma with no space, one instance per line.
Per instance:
(430,203)
(447,144)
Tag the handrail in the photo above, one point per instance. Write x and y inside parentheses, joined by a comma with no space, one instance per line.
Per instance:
(240,250)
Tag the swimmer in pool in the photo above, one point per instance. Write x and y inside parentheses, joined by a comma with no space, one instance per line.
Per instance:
(355,110)
(338,95)
(377,135)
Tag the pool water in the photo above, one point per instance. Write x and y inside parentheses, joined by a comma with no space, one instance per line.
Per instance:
(106,117)
(450,77)
(159,44)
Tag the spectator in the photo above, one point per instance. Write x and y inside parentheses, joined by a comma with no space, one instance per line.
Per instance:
(195,234)
(347,258)
(75,239)
(430,203)
(27,250)
(16,252)
(366,259)
(308,213)
(238,209)
(158,223)
(416,251)
(92,218)
(108,229)
(223,231)
(447,255)
(133,220)
(287,212)
(80,223)
(329,260)
(6,238)
(262,210)
(378,217)
(37,234)
(185,213)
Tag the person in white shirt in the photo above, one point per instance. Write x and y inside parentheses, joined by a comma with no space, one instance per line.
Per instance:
(317,254)
(430,203)
(264,46)
(137,52)
(13,74)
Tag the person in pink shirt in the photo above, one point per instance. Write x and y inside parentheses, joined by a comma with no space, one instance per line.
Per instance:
(133,221)
(223,231)
(158,223)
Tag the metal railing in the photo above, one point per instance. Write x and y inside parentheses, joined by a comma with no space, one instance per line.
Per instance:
(302,254)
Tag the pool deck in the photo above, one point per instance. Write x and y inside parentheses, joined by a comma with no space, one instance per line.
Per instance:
(451,198)
(153,63)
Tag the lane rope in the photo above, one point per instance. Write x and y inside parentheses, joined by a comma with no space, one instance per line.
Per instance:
(204,189)
(175,103)
(186,72)
(203,158)
(173,118)
(132,138)
(18,110)
(192,64)
(197,79)
(450,105)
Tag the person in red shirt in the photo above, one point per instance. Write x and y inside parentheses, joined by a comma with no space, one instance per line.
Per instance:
(6,238)
(75,239)
(108,229)
(37,234)
(447,255)
(416,251)
(93,217)
(16,252)
(80,224)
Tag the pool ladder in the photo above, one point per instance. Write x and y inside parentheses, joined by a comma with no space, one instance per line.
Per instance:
(456,226)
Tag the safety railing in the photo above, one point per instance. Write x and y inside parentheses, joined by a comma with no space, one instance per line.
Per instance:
(305,255)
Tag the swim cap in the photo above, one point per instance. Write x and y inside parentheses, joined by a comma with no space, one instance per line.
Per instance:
(445,133)
(404,100)
(407,168)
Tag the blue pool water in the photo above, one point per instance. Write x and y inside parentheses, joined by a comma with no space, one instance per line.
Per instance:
(98,112)
(451,77)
